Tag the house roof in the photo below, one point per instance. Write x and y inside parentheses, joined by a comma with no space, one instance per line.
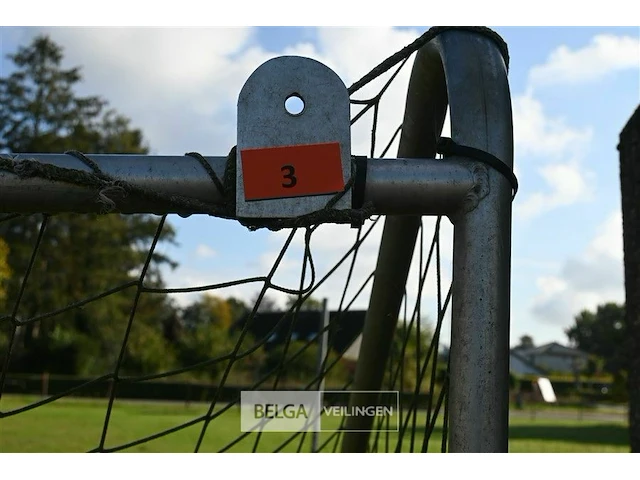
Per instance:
(552,348)
(521,365)
(345,327)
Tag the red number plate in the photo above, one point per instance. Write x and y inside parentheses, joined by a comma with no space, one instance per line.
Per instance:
(292,171)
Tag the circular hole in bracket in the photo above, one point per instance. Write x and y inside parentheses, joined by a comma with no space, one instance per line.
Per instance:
(294,104)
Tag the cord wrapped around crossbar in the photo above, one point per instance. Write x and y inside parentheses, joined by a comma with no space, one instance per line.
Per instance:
(109,189)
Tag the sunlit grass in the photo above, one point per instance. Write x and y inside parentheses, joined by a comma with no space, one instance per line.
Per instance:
(76,425)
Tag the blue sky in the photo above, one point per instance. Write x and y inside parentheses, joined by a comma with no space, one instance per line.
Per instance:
(573,89)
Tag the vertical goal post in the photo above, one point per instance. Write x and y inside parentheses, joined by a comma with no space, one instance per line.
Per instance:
(463,69)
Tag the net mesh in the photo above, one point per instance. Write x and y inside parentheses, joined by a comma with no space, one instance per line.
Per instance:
(244,356)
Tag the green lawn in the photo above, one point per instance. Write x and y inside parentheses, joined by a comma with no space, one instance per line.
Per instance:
(75,425)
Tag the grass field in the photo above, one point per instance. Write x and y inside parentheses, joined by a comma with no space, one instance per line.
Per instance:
(75,425)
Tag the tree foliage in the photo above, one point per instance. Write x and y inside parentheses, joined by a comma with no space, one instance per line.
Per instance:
(308,304)
(526,341)
(408,350)
(266,304)
(601,333)
(79,255)
(209,310)
(205,333)
(300,363)
(40,112)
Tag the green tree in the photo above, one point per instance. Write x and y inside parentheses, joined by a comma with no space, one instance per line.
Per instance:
(307,304)
(267,304)
(601,333)
(526,341)
(79,255)
(39,111)
(408,350)
(206,334)
(239,309)
(300,365)
(208,310)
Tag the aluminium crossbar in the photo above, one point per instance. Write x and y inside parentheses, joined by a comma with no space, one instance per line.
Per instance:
(394,186)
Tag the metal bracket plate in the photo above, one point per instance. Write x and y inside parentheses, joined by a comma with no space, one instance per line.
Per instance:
(291,164)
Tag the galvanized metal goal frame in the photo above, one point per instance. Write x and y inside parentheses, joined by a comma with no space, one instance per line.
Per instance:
(462,69)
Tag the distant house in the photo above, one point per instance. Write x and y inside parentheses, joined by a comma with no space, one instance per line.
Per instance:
(520,365)
(344,331)
(549,358)
(345,338)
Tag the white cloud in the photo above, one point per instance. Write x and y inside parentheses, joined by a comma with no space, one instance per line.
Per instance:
(604,55)
(560,147)
(180,85)
(354,52)
(584,282)
(567,184)
(205,251)
(188,277)
(608,243)
(538,134)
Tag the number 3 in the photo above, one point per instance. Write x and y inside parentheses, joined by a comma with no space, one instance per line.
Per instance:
(290,175)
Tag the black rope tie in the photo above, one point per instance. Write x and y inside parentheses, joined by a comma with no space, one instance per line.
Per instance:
(212,174)
(447,147)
